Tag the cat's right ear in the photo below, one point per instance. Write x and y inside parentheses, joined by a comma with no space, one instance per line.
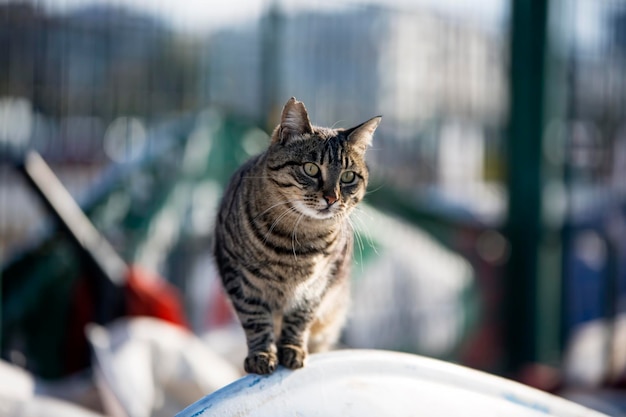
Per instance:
(294,122)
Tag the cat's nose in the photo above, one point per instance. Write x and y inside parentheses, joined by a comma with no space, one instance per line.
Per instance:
(330,199)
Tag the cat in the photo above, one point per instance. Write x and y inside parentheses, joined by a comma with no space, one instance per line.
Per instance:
(283,241)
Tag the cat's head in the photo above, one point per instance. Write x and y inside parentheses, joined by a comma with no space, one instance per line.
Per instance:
(321,171)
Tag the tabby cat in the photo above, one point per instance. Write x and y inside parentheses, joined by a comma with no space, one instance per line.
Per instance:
(283,240)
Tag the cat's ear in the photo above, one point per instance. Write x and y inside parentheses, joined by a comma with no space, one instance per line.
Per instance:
(360,137)
(294,121)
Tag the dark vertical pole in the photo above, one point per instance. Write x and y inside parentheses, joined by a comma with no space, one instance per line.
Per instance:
(528,47)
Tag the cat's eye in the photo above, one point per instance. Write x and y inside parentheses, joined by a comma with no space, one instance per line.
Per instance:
(311,169)
(348,176)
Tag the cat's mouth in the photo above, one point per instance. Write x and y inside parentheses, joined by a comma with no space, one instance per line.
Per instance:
(327,212)
(316,213)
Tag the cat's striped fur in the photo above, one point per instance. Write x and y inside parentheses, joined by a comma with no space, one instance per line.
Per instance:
(283,241)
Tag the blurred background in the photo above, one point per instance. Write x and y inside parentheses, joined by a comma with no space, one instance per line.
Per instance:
(494,231)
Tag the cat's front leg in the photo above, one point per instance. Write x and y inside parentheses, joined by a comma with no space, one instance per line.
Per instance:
(292,344)
(257,322)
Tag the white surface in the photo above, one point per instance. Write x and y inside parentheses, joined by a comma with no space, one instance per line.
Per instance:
(18,397)
(380,383)
(147,367)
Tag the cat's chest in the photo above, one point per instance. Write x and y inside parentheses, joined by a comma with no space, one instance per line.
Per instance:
(311,286)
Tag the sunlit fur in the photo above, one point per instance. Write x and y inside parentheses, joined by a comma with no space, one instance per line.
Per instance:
(284,242)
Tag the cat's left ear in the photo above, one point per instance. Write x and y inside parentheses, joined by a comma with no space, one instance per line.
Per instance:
(360,137)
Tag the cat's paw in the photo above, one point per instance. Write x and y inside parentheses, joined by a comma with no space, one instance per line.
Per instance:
(260,363)
(291,356)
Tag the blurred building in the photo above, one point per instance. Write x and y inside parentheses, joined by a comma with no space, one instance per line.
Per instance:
(420,70)
(83,69)
(415,66)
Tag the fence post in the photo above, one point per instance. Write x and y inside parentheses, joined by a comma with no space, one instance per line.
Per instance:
(524,161)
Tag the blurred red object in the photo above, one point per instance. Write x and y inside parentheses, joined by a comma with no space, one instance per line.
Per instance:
(150,295)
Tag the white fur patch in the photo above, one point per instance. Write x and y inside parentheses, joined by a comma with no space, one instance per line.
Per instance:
(310,212)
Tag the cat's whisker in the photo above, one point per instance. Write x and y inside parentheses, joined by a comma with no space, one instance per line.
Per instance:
(358,212)
(272,206)
(277,220)
(336,123)
(381,186)
(357,240)
(294,237)
(362,210)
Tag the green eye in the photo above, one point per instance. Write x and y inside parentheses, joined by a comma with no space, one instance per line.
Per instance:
(311,169)
(348,176)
